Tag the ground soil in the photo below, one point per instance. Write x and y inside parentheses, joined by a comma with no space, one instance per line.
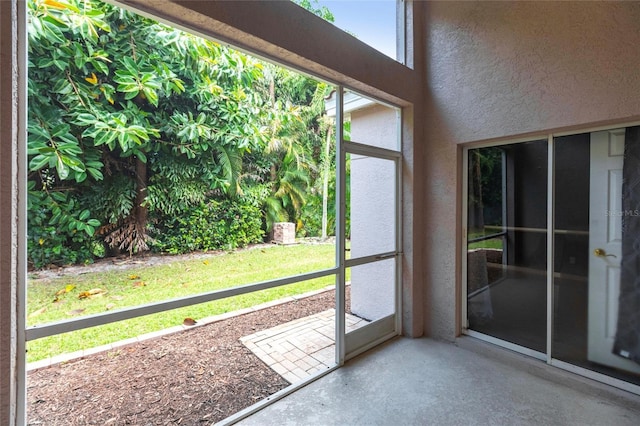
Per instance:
(195,377)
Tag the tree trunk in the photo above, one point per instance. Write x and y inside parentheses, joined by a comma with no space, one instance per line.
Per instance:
(141,211)
(325,184)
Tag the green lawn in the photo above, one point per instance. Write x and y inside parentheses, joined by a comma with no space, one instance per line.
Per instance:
(53,300)
(494,243)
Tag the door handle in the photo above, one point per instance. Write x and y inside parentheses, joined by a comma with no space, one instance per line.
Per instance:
(602,253)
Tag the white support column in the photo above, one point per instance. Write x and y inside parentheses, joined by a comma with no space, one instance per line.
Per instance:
(340,228)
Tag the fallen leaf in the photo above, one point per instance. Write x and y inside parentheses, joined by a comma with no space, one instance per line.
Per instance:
(133,277)
(206,262)
(139,284)
(110,306)
(38,312)
(66,289)
(94,292)
(117,297)
(189,321)
(76,312)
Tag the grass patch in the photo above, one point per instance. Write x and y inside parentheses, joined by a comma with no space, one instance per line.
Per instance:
(495,243)
(147,284)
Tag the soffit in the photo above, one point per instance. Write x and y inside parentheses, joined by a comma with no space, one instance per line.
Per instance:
(286,33)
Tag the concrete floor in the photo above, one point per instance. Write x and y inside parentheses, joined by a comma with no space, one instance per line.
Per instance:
(426,382)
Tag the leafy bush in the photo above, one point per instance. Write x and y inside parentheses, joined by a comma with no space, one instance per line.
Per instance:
(46,246)
(209,226)
(60,231)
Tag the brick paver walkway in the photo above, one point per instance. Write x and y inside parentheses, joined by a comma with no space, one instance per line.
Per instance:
(300,348)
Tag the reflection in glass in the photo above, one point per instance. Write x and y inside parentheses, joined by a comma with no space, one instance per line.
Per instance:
(586,286)
(506,252)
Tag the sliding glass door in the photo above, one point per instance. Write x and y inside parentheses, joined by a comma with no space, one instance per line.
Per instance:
(551,251)
(506,243)
(594,302)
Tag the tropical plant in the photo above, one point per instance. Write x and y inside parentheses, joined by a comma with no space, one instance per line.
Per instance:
(293,149)
(117,103)
(133,123)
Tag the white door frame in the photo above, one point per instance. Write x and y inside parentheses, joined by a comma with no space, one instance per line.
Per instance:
(383,329)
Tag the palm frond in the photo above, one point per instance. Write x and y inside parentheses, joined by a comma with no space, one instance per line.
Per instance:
(230,161)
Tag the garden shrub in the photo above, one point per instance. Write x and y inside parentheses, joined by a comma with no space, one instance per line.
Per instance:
(212,225)
(59,237)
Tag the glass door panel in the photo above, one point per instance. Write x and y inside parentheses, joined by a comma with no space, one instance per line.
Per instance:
(591,325)
(506,243)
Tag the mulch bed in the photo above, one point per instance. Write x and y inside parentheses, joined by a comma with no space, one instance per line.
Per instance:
(195,377)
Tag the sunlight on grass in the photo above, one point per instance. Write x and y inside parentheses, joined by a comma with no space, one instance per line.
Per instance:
(494,243)
(146,284)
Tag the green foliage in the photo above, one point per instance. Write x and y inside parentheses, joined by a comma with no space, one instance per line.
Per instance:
(293,150)
(112,197)
(110,90)
(312,6)
(485,187)
(136,121)
(60,230)
(210,226)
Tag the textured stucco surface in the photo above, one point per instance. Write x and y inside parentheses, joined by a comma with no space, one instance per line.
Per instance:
(8,117)
(507,69)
